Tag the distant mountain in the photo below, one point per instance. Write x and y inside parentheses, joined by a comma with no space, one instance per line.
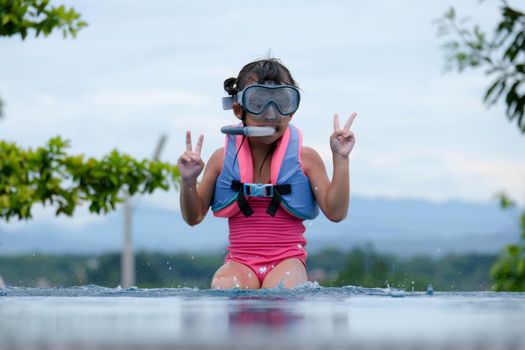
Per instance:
(402,227)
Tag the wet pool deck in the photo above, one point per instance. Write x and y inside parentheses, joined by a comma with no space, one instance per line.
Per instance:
(312,319)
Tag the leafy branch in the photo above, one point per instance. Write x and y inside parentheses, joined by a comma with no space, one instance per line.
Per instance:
(48,175)
(503,56)
(19,16)
(508,273)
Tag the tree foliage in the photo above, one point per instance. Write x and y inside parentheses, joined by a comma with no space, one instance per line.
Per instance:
(508,273)
(368,268)
(161,270)
(48,175)
(502,53)
(21,16)
(503,56)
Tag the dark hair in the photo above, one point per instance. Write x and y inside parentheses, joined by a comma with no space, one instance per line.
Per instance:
(268,69)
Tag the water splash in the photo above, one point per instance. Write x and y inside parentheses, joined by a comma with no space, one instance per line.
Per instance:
(306,290)
(389,291)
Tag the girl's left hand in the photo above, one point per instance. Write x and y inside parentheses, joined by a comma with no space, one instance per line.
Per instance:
(342,140)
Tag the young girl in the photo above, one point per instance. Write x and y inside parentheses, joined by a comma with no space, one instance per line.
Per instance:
(267,184)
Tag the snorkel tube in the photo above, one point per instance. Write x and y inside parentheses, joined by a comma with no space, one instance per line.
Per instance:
(248,130)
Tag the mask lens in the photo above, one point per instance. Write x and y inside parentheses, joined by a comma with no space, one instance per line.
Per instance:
(286,100)
(256,98)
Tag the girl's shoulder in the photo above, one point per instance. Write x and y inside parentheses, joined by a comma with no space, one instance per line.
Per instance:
(309,153)
(310,158)
(216,160)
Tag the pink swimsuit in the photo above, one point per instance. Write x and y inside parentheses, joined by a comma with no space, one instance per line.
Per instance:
(261,241)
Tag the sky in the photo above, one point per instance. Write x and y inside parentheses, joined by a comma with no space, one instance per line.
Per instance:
(143,69)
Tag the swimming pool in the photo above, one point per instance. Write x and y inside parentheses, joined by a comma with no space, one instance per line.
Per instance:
(308,317)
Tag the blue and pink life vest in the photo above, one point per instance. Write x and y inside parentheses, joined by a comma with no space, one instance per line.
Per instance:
(289,187)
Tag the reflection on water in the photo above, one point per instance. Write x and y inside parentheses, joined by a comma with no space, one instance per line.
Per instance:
(275,317)
(307,318)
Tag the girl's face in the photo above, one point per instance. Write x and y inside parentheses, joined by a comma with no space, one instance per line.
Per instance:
(270,117)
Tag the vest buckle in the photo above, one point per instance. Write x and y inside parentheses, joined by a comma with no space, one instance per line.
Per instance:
(258,190)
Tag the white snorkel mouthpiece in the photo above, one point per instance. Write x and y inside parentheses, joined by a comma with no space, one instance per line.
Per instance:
(248,130)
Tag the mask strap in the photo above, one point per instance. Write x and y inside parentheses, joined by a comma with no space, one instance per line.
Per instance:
(227,103)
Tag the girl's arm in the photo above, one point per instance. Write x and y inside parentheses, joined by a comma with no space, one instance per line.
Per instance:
(332,196)
(195,200)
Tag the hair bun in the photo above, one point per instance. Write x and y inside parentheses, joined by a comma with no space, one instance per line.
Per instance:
(230,86)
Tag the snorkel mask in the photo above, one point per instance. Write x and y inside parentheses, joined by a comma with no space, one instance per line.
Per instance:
(264,102)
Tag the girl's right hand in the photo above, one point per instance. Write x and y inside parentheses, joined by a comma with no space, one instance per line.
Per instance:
(190,163)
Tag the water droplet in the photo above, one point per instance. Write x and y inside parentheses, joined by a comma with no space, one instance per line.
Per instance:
(249,275)
(170,268)
(315,188)
(192,257)
(300,246)
(262,270)
(287,273)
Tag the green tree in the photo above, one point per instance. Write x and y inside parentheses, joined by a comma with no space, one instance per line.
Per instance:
(47,174)
(503,56)
(501,53)
(21,16)
(508,273)
(365,267)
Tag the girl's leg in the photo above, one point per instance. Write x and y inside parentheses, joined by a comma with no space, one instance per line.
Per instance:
(235,275)
(290,272)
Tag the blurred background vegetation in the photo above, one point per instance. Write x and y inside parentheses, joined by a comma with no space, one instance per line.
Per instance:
(362,266)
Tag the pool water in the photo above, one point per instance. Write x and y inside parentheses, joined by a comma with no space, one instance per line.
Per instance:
(307,317)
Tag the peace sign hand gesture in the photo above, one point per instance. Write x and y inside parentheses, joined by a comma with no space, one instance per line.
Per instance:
(190,163)
(342,140)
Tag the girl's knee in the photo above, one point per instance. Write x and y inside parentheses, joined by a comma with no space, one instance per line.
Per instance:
(288,274)
(231,276)
(225,282)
